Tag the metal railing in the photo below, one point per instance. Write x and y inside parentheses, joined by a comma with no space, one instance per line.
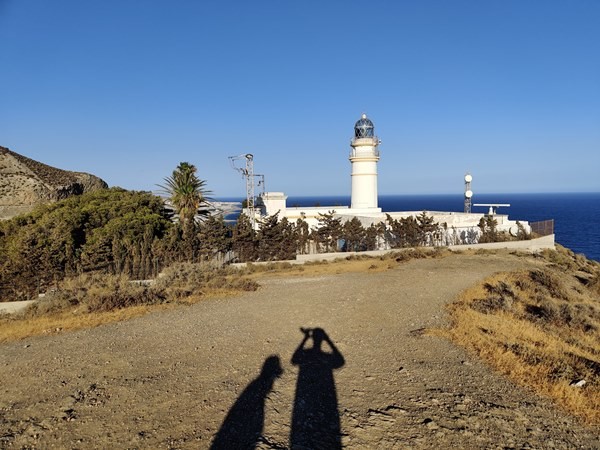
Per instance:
(354,153)
(543,227)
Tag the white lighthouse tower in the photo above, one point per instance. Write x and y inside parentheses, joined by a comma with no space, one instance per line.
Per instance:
(364,156)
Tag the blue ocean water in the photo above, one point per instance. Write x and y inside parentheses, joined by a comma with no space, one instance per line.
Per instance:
(576,215)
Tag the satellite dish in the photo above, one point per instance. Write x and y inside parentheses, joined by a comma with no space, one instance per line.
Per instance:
(469,194)
(468,178)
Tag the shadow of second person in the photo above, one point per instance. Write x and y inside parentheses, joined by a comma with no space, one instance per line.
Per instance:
(243,426)
(315,418)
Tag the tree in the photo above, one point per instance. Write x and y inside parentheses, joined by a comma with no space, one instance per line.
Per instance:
(404,232)
(277,239)
(303,236)
(244,242)
(489,231)
(215,237)
(329,231)
(412,232)
(428,229)
(354,235)
(373,234)
(109,230)
(187,193)
(522,234)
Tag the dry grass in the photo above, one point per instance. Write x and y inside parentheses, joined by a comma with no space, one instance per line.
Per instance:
(348,264)
(540,327)
(319,268)
(17,327)
(94,299)
(13,328)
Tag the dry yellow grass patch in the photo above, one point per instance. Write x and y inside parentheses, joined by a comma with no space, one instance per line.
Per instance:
(329,268)
(541,328)
(15,328)
(350,264)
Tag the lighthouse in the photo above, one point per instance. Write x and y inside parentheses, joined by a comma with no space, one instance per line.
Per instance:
(363,157)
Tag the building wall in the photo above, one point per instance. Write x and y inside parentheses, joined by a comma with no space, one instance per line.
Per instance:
(532,246)
(272,203)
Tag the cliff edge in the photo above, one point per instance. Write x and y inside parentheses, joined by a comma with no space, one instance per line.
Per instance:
(25,183)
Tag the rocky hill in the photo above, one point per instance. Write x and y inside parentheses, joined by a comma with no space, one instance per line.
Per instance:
(25,183)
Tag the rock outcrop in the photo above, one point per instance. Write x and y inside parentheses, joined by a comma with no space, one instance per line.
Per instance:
(25,183)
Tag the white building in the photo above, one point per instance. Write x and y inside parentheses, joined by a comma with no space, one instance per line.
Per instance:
(364,156)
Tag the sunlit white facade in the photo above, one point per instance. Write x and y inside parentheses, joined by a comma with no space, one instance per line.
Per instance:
(364,157)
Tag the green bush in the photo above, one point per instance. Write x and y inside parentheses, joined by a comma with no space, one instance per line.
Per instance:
(112,230)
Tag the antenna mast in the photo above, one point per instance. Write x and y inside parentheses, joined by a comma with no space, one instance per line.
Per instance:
(468,192)
(261,182)
(247,172)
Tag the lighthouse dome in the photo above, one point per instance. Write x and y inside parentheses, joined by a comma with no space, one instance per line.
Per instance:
(364,128)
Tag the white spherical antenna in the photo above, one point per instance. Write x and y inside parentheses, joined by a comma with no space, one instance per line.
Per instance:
(468,178)
(469,194)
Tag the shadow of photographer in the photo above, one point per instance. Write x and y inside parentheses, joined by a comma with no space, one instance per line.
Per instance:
(315,417)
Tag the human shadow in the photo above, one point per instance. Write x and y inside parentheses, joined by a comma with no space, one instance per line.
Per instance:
(315,418)
(243,426)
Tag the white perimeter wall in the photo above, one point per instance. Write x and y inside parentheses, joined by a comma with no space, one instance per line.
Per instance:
(531,246)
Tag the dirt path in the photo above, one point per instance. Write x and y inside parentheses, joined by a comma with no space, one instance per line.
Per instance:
(169,380)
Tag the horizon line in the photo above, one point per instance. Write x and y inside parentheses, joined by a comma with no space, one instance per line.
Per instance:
(423,195)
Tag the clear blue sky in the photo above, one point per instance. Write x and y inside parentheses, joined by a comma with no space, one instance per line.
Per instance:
(508,90)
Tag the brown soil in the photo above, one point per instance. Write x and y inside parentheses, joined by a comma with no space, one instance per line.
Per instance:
(178,378)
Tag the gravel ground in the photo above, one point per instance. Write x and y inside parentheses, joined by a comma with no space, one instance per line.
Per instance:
(231,373)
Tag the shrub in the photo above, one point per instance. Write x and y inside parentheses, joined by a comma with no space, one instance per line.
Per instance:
(502,289)
(95,292)
(594,285)
(99,292)
(549,282)
(522,234)
(184,279)
(540,327)
(545,312)
(491,304)
(411,253)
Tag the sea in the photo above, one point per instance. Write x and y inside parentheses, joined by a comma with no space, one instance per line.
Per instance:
(576,215)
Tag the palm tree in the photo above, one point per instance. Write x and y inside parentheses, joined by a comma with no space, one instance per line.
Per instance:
(187,193)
